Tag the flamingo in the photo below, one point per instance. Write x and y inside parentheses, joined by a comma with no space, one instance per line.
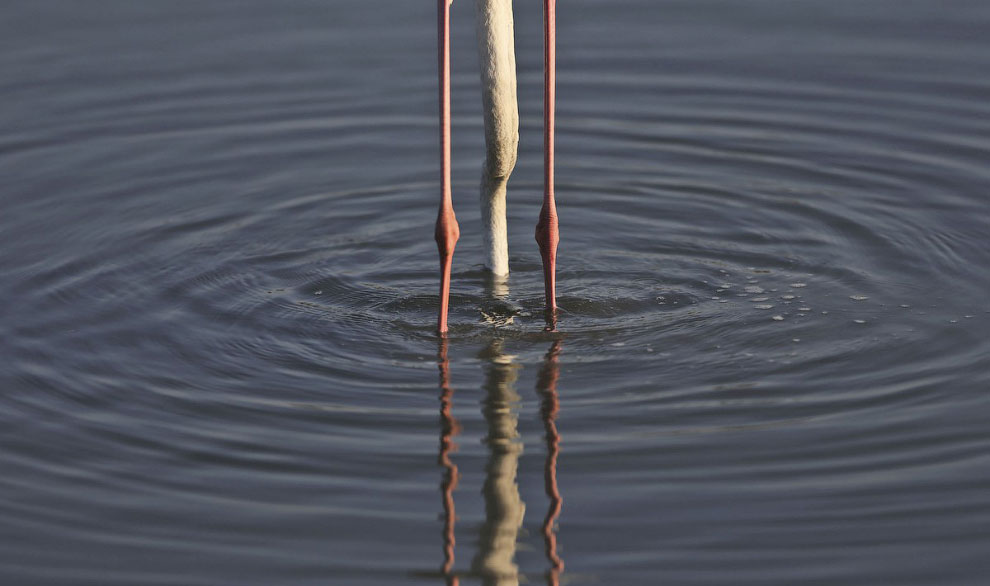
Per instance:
(498,73)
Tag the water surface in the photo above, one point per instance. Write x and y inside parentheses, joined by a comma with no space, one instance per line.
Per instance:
(219,287)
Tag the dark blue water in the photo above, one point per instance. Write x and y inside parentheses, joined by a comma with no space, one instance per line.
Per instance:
(218,289)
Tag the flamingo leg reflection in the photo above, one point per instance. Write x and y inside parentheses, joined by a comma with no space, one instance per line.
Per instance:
(546,387)
(449,428)
(494,562)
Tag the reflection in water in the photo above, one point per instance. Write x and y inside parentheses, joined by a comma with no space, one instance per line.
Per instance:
(497,286)
(448,429)
(546,386)
(504,507)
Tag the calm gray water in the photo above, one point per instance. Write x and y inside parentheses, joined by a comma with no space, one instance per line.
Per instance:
(218,293)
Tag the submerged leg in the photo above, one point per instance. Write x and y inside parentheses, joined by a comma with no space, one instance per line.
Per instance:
(497,58)
(447,231)
(547,234)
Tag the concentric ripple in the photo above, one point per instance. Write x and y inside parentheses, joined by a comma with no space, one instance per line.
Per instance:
(769,364)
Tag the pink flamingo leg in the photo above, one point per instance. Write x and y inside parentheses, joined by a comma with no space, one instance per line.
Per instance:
(547,233)
(447,231)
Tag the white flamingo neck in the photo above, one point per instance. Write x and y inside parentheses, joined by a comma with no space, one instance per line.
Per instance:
(497,60)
